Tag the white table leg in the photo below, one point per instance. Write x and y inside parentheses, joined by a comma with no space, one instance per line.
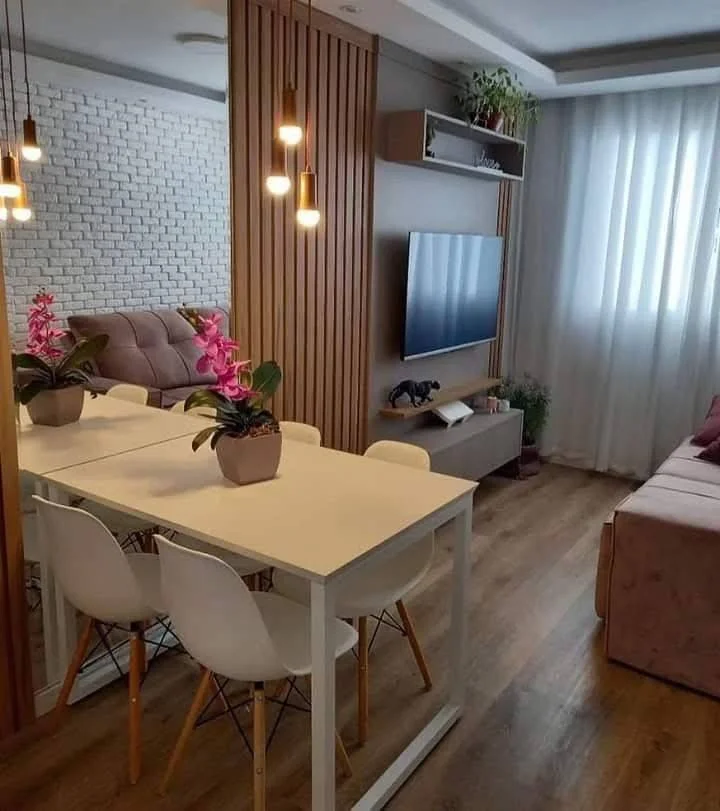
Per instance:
(323,697)
(386,786)
(53,670)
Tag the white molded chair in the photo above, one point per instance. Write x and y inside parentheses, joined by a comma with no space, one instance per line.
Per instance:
(129,392)
(301,432)
(236,634)
(371,593)
(198,411)
(107,585)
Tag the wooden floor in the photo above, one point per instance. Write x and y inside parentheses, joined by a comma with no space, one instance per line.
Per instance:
(550,724)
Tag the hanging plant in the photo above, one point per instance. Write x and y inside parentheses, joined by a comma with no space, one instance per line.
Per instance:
(494,100)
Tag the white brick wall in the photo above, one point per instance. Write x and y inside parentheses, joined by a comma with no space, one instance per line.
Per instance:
(130,209)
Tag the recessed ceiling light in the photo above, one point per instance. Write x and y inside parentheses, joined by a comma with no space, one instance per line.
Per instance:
(349,8)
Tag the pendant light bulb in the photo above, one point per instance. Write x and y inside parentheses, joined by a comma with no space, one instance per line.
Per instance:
(9,185)
(308,214)
(278,182)
(290,132)
(30,148)
(3,210)
(21,210)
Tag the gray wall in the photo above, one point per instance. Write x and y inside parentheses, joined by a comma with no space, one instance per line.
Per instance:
(409,198)
(130,209)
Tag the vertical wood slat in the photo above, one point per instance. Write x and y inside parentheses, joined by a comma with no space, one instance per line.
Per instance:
(503,230)
(302,297)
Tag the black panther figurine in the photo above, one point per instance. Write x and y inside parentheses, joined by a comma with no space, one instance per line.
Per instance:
(418,392)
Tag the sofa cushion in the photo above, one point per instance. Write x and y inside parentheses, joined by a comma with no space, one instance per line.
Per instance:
(677,484)
(691,469)
(149,348)
(709,431)
(711,453)
(177,395)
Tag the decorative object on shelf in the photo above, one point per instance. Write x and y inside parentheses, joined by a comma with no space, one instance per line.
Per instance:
(503,406)
(484,160)
(492,404)
(246,436)
(278,181)
(418,392)
(290,132)
(308,213)
(533,398)
(430,133)
(49,379)
(493,98)
(31,150)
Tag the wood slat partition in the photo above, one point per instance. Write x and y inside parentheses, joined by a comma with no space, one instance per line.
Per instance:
(16,689)
(503,230)
(299,297)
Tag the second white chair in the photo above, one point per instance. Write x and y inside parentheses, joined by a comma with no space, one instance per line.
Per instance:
(129,392)
(371,593)
(236,634)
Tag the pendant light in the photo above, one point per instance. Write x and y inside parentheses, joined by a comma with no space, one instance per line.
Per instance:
(9,186)
(3,210)
(21,210)
(308,214)
(31,150)
(278,182)
(290,132)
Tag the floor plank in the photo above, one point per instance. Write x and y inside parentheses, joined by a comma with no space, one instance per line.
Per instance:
(550,724)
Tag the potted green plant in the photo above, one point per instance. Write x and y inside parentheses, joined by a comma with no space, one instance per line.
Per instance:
(48,379)
(246,436)
(533,398)
(491,98)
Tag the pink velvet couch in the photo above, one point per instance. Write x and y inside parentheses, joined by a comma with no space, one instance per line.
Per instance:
(658,578)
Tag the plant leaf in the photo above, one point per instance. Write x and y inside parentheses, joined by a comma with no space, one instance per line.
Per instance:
(27,361)
(203,436)
(266,379)
(82,352)
(31,390)
(205,397)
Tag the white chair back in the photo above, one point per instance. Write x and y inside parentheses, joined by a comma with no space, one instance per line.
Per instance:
(401,453)
(215,615)
(130,393)
(198,411)
(301,432)
(91,568)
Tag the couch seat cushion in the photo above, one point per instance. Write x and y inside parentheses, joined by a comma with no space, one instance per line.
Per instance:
(692,469)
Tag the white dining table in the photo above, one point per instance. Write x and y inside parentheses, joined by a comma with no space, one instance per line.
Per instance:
(325,516)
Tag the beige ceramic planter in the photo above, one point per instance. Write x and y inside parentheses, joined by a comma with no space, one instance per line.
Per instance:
(57,406)
(245,460)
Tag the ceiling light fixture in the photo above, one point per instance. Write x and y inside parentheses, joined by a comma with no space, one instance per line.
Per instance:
(21,210)
(31,150)
(290,131)
(308,214)
(9,186)
(278,182)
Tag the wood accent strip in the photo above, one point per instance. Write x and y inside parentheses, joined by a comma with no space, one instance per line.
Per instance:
(16,688)
(302,297)
(503,230)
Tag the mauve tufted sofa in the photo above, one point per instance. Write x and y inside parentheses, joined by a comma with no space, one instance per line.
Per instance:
(152,348)
(658,578)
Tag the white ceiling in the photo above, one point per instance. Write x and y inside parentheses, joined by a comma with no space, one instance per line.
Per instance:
(543,40)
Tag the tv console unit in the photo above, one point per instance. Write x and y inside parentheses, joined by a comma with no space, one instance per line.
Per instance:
(471,450)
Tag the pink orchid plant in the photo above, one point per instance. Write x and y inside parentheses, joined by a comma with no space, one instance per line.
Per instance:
(45,365)
(239,393)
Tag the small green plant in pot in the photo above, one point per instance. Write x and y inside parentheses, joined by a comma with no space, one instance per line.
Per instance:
(246,436)
(533,398)
(48,379)
(494,98)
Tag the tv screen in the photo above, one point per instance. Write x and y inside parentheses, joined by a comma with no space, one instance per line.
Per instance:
(453,288)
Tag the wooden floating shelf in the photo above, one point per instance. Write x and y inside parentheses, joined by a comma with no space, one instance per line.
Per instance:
(441,397)
(456,143)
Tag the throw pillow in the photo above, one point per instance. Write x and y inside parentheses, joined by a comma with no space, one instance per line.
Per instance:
(709,432)
(714,410)
(711,453)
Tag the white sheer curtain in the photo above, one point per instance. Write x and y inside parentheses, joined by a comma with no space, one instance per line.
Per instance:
(618,305)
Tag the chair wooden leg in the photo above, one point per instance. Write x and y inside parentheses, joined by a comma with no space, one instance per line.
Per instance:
(414,644)
(363,680)
(137,668)
(259,746)
(342,756)
(195,709)
(81,650)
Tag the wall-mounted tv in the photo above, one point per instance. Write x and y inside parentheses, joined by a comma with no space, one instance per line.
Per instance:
(453,288)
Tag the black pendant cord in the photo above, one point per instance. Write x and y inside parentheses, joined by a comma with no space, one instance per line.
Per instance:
(307,87)
(290,42)
(4,93)
(277,92)
(12,77)
(24,41)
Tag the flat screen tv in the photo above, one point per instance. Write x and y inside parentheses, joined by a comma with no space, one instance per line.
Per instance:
(453,288)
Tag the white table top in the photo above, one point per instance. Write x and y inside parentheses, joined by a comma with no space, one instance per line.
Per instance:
(324,510)
(108,426)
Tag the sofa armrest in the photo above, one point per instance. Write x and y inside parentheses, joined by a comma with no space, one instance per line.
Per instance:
(101,385)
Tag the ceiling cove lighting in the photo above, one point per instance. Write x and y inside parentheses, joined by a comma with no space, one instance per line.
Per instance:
(278,181)
(308,213)
(289,131)
(31,150)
